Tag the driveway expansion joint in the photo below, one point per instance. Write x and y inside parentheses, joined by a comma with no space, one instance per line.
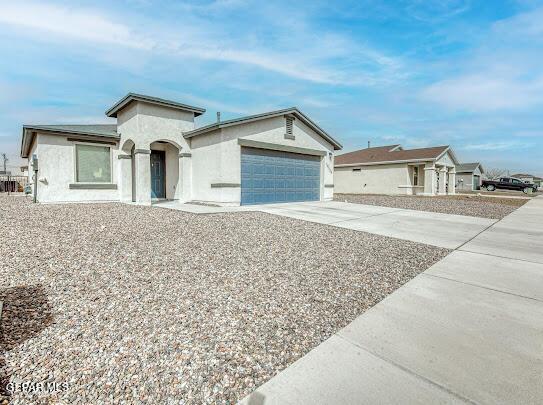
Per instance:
(406,369)
(426,274)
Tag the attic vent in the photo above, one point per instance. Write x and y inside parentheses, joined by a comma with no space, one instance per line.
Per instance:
(288,129)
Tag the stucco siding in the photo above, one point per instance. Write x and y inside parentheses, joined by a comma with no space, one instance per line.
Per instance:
(377,179)
(56,159)
(216,157)
(464,182)
(144,124)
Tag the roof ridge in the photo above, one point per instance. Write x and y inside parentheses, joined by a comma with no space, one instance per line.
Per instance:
(119,105)
(268,114)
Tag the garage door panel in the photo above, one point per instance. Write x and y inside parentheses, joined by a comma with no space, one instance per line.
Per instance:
(274,176)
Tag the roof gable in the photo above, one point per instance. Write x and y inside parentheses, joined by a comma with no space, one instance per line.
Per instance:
(122,103)
(251,118)
(469,167)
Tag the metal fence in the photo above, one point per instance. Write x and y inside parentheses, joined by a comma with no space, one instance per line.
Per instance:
(12,184)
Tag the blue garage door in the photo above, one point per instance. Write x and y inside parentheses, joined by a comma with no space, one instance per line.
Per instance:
(269,176)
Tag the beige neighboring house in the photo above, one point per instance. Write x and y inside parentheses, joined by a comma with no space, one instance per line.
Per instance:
(394,170)
(530,178)
(469,176)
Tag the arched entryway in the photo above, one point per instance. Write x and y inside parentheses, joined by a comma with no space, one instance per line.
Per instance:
(164,170)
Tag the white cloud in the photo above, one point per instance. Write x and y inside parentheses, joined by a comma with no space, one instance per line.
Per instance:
(502,74)
(497,146)
(300,57)
(84,119)
(436,11)
(523,24)
(478,92)
(70,22)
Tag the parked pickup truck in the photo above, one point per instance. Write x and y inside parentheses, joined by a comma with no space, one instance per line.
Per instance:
(508,183)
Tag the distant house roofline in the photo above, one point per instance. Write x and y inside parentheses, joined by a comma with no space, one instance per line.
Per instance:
(469,167)
(392,154)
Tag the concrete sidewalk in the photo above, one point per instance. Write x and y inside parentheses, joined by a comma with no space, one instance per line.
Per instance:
(467,330)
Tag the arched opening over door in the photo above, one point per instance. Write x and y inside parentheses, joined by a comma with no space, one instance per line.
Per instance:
(164,168)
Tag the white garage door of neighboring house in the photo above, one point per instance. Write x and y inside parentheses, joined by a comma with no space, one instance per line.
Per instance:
(269,176)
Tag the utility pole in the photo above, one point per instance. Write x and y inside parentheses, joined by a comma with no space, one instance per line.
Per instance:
(5,158)
(8,182)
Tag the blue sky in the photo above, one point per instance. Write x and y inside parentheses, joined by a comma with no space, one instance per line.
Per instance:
(415,72)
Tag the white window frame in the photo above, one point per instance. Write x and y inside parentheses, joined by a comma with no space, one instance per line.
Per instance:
(418,175)
(110,162)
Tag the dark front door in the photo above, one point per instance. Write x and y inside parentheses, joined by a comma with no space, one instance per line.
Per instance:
(158,171)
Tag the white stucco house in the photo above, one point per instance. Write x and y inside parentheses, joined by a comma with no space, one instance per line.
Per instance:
(154,152)
(469,176)
(393,170)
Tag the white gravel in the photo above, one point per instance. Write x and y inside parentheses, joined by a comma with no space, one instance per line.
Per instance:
(474,206)
(132,304)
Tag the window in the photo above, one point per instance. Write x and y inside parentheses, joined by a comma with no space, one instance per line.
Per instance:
(92,164)
(357,170)
(415,175)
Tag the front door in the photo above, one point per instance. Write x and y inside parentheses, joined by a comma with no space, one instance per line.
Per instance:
(158,171)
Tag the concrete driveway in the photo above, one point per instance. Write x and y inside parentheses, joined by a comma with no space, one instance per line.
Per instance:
(467,330)
(443,230)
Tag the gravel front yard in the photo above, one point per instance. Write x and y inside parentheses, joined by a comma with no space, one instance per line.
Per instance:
(474,206)
(128,304)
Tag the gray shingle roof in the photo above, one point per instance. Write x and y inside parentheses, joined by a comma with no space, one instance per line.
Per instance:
(93,130)
(243,120)
(123,102)
(468,167)
(390,153)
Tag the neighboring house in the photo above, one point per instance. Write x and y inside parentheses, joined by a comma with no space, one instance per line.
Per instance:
(394,170)
(469,176)
(24,170)
(155,152)
(530,178)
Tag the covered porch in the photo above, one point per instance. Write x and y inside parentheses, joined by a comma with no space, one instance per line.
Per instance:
(430,178)
(439,179)
(156,172)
